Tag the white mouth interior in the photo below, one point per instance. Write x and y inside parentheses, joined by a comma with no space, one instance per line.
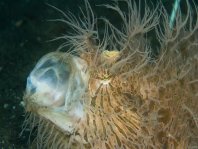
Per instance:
(57,84)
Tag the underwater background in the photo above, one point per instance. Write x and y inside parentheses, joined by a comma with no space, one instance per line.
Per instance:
(24,35)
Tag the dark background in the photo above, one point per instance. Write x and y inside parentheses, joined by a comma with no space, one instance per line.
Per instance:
(24,32)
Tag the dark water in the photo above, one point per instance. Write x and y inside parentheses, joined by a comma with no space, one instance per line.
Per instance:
(24,32)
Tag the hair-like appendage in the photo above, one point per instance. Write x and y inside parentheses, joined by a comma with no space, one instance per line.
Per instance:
(115,95)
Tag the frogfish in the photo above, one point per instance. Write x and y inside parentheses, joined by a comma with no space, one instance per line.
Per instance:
(109,90)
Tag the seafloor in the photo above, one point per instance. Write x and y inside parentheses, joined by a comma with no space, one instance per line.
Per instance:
(24,34)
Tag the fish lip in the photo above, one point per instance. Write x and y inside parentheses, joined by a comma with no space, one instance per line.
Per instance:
(63,119)
(58,118)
